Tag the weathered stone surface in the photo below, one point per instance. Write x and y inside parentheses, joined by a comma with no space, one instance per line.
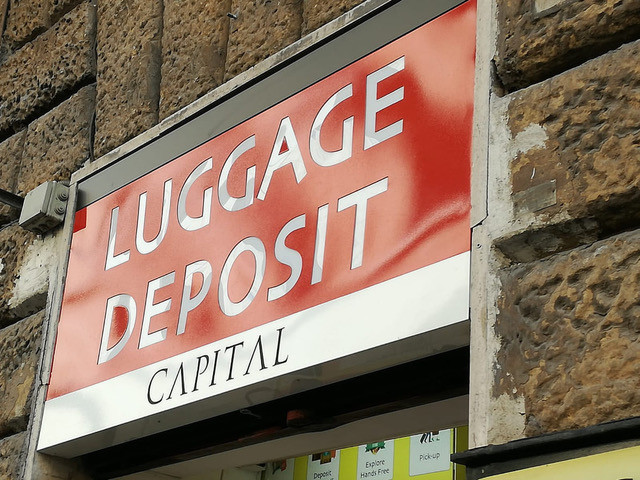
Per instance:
(129,59)
(315,13)
(32,276)
(25,20)
(534,45)
(592,155)
(569,326)
(194,49)
(45,70)
(59,142)
(20,346)
(11,450)
(4,10)
(10,156)
(262,28)
(46,467)
(57,8)
(28,18)
(14,242)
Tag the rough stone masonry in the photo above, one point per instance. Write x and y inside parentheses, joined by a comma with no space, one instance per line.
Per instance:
(79,79)
(562,227)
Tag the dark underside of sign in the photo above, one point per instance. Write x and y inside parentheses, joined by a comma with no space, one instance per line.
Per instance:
(432,379)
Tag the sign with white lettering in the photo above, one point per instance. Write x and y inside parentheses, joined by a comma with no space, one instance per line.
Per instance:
(327,226)
(430,452)
(375,461)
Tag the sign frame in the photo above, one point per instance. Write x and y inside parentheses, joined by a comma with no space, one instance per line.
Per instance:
(101,179)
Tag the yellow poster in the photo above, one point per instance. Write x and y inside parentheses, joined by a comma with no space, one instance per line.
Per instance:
(617,465)
(387,460)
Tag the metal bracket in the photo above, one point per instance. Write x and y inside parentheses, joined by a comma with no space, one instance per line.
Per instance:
(11,199)
(44,207)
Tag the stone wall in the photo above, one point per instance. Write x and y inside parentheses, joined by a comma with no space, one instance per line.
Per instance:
(573,321)
(78,79)
(47,98)
(561,265)
(540,38)
(556,262)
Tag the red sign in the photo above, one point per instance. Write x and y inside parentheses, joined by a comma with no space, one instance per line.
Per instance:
(356,180)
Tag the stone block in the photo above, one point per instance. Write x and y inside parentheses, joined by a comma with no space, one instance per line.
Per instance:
(4,10)
(11,453)
(584,182)
(31,283)
(20,346)
(14,242)
(44,71)
(46,467)
(10,156)
(192,61)
(315,13)
(569,327)
(58,8)
(129,60)
(59,142)
(25,20)
(539,39)
(262,28)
